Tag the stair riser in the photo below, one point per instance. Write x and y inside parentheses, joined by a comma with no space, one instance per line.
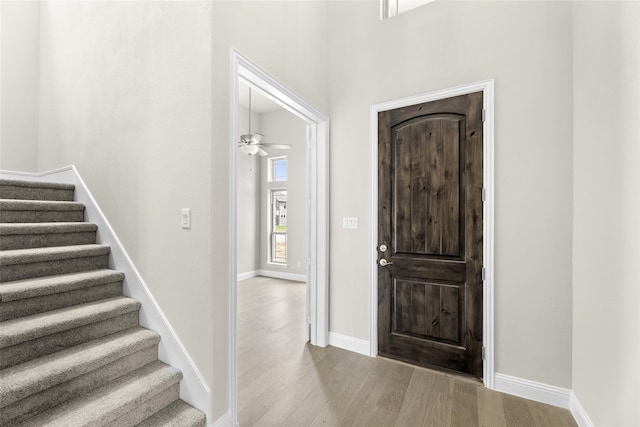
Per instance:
(178,413)
(52,267)
(10,216)
(35,193)
(148,408)
(47,399)
(27,307)
(32,349)
(27,241)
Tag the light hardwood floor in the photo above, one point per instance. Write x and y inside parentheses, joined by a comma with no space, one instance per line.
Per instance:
(282,380)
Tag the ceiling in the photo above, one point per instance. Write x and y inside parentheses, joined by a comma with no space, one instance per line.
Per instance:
(259,103)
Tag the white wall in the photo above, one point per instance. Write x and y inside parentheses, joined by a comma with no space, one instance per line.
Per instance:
(126,96)
(19,83)
(526,47)
(248,199)
(294,52)
(606,251)
(282,127)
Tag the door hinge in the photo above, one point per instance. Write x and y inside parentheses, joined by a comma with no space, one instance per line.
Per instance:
(484,194)
(483,354)
(484,274)
(309,261)
(309,322)
(484,115)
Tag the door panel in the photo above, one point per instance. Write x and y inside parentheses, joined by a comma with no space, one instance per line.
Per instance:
(427,167)
(430,218)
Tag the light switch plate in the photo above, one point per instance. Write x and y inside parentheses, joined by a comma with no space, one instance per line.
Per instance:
(186,218)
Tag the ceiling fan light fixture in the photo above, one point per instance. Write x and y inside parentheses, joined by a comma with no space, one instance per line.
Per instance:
(250,149)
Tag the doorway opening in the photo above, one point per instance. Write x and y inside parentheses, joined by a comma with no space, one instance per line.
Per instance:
(316,202)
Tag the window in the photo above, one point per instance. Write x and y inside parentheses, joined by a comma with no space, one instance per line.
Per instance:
(278,245)
(278,169)
(393,7)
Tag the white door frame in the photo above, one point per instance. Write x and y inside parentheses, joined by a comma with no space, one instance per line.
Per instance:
(486,87)
(317,206)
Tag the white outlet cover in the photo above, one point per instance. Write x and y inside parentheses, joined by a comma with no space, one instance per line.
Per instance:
(350,223)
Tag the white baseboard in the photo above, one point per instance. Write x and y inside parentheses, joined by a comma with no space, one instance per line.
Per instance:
(247,275)
(533,390)
(224,421)
(346,342)
(282,275)
(578,412)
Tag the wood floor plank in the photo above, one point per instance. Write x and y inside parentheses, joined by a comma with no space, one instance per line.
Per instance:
(517,411)
(490,409)
(464,405)
(394,392)
(284,381)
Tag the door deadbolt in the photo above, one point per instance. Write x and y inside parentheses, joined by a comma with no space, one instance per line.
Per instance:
(383,248)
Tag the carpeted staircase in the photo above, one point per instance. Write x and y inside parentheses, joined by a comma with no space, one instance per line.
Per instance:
(71,350)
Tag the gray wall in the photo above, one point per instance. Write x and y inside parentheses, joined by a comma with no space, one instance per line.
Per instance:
(248,199)
(606,211)
(253,194)
(20,75)
(526,47)
(143,110)
(283,127)
(126,96)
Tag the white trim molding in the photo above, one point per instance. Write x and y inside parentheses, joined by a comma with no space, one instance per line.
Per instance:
(533,390)
(346,342)
(544,393)
(282,275)
(247,275)
(487,88)
(578,412)
(193,388)
(317,221)
(223,421)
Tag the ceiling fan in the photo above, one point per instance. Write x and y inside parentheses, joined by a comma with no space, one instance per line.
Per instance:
(251,143)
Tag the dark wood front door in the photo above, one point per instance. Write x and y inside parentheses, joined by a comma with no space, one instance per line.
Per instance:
(430,220)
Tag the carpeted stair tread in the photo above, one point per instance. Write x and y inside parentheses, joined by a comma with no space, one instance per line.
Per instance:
(36,184)
(34,190)
(46,228)
(20,381)
(32,255)
(106,404)
(39,205)
(40,286)
(23,329)
(46,234)
(178,414)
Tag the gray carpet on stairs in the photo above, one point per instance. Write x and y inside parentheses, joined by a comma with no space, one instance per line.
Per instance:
(72,352)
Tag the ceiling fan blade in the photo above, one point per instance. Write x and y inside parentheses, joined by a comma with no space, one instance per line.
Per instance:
(256,138)
(271,145)
(261,152)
